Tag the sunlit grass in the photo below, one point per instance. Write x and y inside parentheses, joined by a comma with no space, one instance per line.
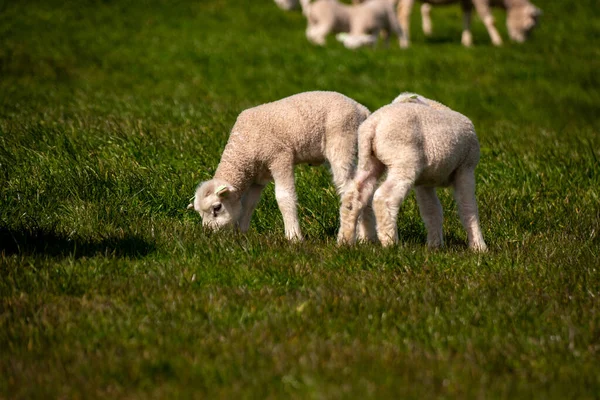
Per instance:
(112,112)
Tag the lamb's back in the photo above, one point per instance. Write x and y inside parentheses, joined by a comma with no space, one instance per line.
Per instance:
(440,139)
(298,124)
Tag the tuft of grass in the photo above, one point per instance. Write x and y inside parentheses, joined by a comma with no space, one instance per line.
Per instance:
(112,112)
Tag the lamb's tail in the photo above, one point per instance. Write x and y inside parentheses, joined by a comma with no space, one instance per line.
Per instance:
(366,134)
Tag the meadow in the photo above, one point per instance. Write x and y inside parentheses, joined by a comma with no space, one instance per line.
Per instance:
(111,112)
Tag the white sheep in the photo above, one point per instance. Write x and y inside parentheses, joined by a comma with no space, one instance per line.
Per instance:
(266,142)
(521,18)
(422,144)
(358,25)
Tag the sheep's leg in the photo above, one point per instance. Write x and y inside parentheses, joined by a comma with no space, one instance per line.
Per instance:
(467,38)
(404,9)
(392,25)
(426,18)
(357,205)
(317,33)
(485,13)
(304,5)
(249,202)
(464,194)
(349,212)
(285,194)
(340,155)
(432,215)
(386,204)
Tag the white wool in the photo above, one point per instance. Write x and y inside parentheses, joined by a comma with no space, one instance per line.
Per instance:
(421,144)
(266,142)
(360,23)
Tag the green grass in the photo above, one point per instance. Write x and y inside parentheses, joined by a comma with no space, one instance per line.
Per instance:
(112,112)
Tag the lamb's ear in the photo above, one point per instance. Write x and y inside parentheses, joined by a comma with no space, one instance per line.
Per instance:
(222,191)
(190,206)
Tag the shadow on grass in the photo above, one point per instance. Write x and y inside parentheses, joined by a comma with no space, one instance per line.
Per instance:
(52,244)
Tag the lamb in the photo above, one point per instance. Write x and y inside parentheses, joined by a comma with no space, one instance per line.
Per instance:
(521,18)
(266,142)
(422,144)
(358,25)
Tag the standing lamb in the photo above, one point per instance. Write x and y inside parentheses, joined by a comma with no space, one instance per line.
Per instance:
(521,18)
(422,144)
(358,25)
(265,144)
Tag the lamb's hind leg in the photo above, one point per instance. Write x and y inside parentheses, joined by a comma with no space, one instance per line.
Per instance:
(386,204)
(354,205)
(432,215)
(483,9)
(464,194)
(357,205)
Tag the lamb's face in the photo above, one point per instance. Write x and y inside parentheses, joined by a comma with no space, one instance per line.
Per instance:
(217,205)
(520,21)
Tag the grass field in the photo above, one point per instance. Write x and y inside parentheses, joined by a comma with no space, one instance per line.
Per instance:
(111,112)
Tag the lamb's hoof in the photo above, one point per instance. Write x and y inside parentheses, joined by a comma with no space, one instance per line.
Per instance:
(387,241)
(478,247)
(294,238)
(344,240)
(404,44)
(467,39)
(341,37)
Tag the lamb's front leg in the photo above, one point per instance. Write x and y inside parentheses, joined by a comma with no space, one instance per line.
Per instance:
(249,202)
(285,194)
(467,37)
(404,9)
(485,13)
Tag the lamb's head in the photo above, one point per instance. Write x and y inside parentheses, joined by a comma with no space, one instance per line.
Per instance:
(521,19)
(218,204)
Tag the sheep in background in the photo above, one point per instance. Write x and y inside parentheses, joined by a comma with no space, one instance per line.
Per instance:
(266,142)
(421,144)
(521,18)
(359,24)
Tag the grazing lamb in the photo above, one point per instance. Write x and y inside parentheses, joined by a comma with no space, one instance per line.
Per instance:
(358,25)
(265,144)
(422,144)
(521,18)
